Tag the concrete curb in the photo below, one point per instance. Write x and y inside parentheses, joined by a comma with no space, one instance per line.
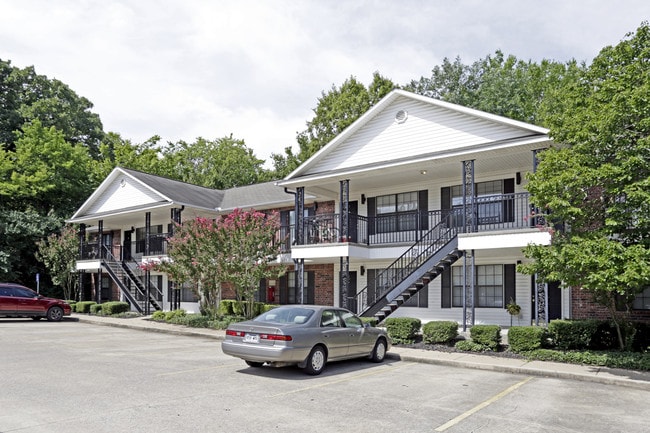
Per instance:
(603,375)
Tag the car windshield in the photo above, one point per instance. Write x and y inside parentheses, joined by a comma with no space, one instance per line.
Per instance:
(286,315)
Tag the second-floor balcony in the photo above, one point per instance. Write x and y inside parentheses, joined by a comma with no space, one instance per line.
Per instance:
(493,213)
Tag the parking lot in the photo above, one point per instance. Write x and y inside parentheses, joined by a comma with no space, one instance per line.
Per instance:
(79,377)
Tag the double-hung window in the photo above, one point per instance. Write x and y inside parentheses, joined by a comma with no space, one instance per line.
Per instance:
(397,212)
(494,201)
(642,300)
(488,286)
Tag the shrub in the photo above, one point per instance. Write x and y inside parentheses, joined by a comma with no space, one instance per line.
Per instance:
(470,346)
(96,309)
(227,307)
(641,342)
(115,307)
(372,321)
(171,316)
(158,315)
(439,332)
(486,335)
(626,360)
(84,306)
(572,334)
(526,338)
(402,329)
(197,321)
(268,307)
(604,336)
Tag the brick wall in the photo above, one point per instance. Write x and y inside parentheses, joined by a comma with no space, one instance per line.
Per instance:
(323,282)
(583,307)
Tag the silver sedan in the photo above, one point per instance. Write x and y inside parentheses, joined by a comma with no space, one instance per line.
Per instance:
(305,335)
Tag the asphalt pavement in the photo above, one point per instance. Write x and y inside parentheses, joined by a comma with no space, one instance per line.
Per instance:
(589,373)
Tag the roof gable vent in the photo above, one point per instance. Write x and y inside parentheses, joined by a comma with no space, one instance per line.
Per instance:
(401,116)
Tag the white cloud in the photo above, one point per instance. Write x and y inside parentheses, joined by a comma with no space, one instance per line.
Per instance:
(254,68)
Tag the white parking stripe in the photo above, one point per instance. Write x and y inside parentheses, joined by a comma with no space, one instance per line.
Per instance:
(486,403)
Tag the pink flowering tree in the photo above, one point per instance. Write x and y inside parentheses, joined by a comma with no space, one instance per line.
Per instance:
(238,248)
(248,253)
(193,254)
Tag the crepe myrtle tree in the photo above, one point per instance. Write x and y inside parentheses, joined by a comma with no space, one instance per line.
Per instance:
(237,248)
(58,252)
(248,251)
(193,253)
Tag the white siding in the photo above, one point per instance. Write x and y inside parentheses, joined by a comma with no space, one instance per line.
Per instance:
(123,193)
(428,129)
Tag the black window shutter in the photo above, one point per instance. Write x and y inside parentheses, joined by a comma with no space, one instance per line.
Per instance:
(509,273)
(372,209)
(423,207)
(445,205)
(283,289)
(371,285)
(261,293)
(445,282)
(311,280)
(509,202)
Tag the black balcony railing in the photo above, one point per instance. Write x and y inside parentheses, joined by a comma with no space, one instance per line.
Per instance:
(497,212)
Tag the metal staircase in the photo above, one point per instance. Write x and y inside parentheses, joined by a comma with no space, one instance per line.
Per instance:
(125,275)
(411,272)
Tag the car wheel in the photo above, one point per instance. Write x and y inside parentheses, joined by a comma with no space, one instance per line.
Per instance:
(55,314)
(379,352)
(36,318)
(316,361)
(254,364)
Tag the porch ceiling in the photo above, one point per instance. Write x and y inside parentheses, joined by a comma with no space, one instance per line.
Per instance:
(431,171)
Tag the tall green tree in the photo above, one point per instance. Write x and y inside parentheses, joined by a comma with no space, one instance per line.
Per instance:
(336,110)
(222,163)
(42,181)
(26,96)
(498,84)
(598,183)
(45,172)
(59,252)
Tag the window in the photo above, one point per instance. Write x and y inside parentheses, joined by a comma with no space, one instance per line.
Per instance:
(489,286)
(642,301)
(488,200)
(289,290)
(141,236)
(493,205)
(397,212)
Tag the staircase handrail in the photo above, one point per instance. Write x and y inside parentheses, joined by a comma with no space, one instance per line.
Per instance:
(107,255)
(412,259)
(138,272)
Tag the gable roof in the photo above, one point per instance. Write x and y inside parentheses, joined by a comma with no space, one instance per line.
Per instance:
(131,191)
(430,130)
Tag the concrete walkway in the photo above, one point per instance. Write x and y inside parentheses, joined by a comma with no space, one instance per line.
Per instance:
(604,375)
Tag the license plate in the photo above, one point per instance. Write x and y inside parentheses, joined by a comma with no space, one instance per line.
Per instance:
(251,338)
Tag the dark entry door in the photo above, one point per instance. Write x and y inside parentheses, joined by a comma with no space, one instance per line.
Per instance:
(554,301)
(554,296)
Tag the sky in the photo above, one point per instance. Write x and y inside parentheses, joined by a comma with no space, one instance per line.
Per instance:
(183,69)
